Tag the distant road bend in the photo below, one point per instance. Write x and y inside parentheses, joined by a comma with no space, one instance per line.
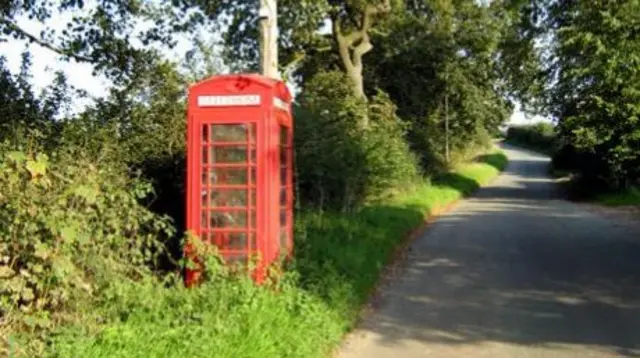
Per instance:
(514,271)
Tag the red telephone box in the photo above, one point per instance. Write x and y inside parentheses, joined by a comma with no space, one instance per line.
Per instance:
(239,170)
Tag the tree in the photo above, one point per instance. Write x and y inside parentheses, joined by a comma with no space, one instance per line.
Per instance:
(351,26)
(591,72)
(25,113)
(301,22)
(103,33)
(440,49)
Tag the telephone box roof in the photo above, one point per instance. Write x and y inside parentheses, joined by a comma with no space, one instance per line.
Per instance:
(280,88)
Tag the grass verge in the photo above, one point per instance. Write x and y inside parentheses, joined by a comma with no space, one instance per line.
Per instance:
(627,197)
(339,259)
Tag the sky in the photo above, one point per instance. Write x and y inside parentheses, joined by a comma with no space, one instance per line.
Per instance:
(46,63)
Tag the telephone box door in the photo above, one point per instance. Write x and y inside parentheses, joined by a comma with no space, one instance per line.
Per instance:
(228,188)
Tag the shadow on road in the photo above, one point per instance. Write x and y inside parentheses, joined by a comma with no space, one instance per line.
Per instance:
(514,264)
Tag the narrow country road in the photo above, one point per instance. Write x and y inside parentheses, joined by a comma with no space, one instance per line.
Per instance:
(514,271)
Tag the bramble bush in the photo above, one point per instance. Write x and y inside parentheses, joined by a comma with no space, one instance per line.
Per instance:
(70,227)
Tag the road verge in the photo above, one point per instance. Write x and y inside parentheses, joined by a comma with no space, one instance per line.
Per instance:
(340,260)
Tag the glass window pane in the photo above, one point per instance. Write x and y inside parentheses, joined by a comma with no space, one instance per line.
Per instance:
(205,133)
(231,219)
(283,217)
(283,157)
(204,194)
(205,155)
(252,132)
(232,176)
(229,198)
(253,219)
(235,241)
(217,238)
(229,133)
(229,154)
(283,176)
(284,136)
(283,196)
(203,219)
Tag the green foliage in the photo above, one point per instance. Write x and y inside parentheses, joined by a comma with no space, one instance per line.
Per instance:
(339,258)
(592,78)
(599,89)
(226,316)
(100,32)
(497,160)
(390,162)
(80,248)
(299,22)
(70,227)
(25,112)
(340,162)
(436,63)
(541,136)
(627,197)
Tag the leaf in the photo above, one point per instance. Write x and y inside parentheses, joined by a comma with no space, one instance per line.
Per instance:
(87,193)
(36,168)
(62,267)
(27,294)
(17,156)
(6,271)
(69,234)
(37,268)
(41,251)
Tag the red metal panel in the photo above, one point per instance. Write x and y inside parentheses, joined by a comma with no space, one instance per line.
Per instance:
(224,184)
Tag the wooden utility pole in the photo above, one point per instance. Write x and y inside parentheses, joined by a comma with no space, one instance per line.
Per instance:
(446,126)
(269,38)
(446,118)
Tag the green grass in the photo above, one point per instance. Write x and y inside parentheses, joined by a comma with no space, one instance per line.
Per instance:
(339,259)
(627,197)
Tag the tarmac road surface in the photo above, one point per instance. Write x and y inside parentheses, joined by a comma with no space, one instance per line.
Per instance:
(514,271)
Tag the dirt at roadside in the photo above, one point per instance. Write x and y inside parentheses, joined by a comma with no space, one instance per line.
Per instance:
(628,214)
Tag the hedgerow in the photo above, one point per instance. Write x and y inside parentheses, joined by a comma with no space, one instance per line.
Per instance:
(70,228)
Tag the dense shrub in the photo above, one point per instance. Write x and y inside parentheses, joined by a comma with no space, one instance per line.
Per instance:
(540,136)
(70,227)
(390,162)
(348,151)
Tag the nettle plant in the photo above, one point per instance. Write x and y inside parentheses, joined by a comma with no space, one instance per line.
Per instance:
(69,228)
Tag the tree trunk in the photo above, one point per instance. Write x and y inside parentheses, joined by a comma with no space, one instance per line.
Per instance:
(355,74)
(354,45)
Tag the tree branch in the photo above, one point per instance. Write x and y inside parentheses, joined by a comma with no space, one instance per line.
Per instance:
(371,11)
(357,43)
(24,34)
(343,44)
(363,34)
(363,47)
